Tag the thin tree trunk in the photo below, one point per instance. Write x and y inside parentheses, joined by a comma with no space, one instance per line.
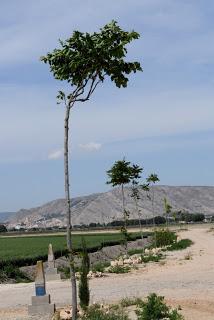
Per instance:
(153,214)
(139,217)
(124,215)
(68,214)
(124,210)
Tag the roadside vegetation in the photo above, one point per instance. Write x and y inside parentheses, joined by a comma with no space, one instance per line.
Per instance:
(100,266)
(13,274)
(155,308)
(151,258)
(97,312)
(119,269)
(164,237)
(152,308)
(23,251)
(180,245)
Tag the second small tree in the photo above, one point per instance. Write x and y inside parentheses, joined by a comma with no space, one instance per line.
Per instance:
(121,174)
(135,191)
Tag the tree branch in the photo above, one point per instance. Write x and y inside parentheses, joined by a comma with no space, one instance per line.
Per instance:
(91,89)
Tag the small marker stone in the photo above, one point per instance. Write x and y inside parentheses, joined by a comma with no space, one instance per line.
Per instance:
(51,258)
(51,271)
(41,302)
(40,280)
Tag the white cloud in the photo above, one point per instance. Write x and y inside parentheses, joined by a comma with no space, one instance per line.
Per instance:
(91,146)
(55,154)
(36,27)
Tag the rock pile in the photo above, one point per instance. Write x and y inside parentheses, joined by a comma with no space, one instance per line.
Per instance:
(91,274)
(134,259)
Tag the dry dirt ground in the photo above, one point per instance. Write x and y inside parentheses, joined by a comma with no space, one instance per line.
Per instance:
(188,283)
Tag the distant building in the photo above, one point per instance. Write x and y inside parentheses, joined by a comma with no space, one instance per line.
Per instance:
(209,217)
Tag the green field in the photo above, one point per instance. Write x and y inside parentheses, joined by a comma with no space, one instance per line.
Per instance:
(24,250)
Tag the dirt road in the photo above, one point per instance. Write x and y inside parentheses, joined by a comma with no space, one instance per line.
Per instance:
(188,283)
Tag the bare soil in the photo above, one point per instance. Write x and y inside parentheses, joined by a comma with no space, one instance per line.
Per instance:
(184,282)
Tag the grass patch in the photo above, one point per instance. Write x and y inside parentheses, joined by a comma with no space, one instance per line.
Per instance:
(95,312)
(180,245)
(100,266)
(127,302)
(152,258)
(131,252)
(119,269)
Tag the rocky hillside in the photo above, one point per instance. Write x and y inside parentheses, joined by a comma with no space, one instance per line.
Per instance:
(105,207)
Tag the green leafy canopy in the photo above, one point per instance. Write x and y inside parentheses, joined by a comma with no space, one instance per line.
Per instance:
(120,173)
(153,178)
(86,59)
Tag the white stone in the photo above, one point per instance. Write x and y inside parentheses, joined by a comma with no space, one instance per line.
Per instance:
(98,274)
(66,314)
(128,261)
(120,262)
(114,263)
(154,250)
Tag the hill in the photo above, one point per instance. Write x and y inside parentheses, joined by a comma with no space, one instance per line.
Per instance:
(105,207)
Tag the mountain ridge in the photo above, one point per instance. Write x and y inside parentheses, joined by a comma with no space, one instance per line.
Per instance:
(107,206)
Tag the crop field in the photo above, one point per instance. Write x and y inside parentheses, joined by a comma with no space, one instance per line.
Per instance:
(29,249)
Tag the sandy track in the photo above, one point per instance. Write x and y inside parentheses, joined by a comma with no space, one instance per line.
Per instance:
(188,283)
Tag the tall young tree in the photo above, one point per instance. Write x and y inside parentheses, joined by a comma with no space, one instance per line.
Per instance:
(121,174)
(167,209)
(152,179)
(135,190)
(84,61)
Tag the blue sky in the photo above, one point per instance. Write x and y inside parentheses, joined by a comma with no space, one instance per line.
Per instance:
(162,121)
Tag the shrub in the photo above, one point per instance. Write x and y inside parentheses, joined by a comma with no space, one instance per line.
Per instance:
(100,266)
(126,302)
(10,271)
(164,238)
(119,269)
(156,309)
(84,294)
(151,258)
(3,228)
(96,313)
